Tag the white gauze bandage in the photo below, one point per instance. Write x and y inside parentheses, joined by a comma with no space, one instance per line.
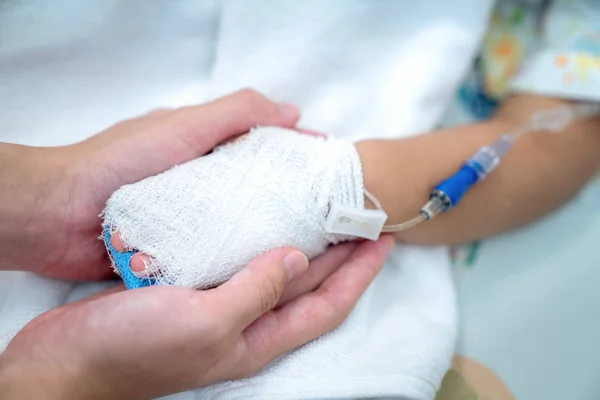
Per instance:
(202,221)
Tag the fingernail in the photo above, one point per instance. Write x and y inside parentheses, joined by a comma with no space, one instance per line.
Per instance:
(288,110)
(140,271)
(140,274)
(296,264)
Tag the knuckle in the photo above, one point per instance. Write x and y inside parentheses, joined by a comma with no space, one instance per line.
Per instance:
(128,124)
(249,370)
(159,112)
(245,367)
(256,104)
(332,312)
(270,291)
(251,96)
(242,374)
(323,316)
(338,318)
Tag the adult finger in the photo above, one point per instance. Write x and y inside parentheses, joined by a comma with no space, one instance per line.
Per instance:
(319,312)
(159,112)
(319,269)
(205,126)
(115,289)
(257,288)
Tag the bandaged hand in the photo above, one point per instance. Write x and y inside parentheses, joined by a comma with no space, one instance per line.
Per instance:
(50,198)
(199,223)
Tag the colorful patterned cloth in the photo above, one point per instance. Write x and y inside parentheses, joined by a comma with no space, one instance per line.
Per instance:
(538,46)
(549,48)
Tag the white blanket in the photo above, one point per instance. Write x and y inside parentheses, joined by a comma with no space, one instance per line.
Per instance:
(357,69)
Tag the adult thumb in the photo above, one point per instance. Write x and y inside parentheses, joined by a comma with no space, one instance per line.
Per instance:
(257,288)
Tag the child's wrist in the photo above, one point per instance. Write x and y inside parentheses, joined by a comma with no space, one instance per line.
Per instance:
(386,175)
(401,173)
(366,152)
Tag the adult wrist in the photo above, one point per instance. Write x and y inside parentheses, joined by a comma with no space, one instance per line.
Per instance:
(28,177)
(22,380)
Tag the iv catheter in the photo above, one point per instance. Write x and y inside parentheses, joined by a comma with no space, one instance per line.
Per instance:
(446,195)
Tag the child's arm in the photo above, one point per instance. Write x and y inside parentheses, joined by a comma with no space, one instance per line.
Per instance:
(541,172)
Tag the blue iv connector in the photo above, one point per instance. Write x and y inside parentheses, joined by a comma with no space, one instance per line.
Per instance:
(450,192)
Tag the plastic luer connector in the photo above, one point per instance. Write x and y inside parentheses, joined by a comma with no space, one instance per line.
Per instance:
(452,190)
(487,158)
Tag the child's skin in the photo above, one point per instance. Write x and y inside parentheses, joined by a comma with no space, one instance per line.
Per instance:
(539,174)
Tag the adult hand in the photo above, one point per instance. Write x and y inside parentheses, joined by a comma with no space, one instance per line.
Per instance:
(50,198)
(155,341)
